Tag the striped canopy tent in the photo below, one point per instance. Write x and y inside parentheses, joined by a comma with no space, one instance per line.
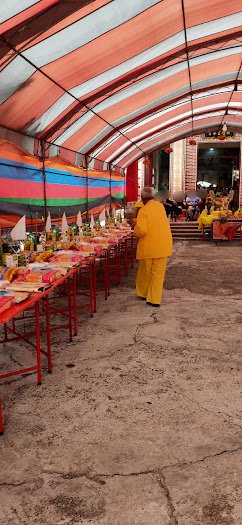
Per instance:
(67,188)
(115,80)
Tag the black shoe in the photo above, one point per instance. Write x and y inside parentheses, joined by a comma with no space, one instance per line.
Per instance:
(153,304)
(143,298)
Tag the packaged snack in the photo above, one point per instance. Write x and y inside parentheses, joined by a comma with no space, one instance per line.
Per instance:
(34,277)
(2,272)
(22,274)
(44,256)
(76,258)
(50,276)
(10,273)
(18,297)
(12,261)
(6,302)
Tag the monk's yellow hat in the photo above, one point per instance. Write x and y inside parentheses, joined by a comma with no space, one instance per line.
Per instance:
(138,204)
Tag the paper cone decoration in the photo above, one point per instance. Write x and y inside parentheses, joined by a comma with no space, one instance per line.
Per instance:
(48,224)
(79,220)
(64,224)
(102,216)
(107,212)
(92,222)
(18,233)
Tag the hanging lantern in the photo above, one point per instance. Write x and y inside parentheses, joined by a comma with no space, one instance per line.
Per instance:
(168,149)
(192,142)
(221,137)
(146,162)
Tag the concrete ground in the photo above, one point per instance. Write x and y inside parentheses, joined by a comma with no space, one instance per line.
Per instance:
(141,421)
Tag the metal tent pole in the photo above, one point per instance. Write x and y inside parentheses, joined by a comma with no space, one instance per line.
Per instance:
(44,177)
(87,204)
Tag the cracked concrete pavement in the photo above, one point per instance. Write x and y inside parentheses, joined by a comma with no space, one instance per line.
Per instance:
(140,422)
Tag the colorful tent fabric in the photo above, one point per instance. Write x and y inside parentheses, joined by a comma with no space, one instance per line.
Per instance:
(115,80)
(66,188)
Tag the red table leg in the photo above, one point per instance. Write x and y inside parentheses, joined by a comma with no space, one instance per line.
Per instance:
(37,333)
(126,258)
(117,264)
(69,308)
(108,271)
(95,287)
(48,329)
(91,288)
(74,303)
(106,275)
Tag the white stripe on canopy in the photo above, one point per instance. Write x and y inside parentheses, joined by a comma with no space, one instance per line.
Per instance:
(92,26)
(146,83)
(12,8)
(206,29)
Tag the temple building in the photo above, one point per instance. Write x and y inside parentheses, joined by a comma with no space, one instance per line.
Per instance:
(203,161)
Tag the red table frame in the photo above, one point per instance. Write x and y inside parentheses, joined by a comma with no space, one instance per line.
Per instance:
(71,279)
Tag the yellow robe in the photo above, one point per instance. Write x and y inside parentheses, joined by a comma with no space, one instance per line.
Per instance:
(154,246)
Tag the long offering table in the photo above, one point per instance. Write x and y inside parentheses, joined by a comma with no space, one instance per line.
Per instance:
(22,322)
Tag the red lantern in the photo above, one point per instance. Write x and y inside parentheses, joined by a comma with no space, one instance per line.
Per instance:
(192,142)
(146,162)
(221,137)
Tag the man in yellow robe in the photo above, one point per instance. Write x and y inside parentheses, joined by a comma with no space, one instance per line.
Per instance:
(154,246)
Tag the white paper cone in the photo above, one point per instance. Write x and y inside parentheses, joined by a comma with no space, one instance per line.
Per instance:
(92,222)
(102,216)
(18,233)
(48,224)
(79,220)
(64,224)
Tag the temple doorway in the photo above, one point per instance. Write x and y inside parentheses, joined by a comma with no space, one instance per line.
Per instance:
(161,169)
(218,168)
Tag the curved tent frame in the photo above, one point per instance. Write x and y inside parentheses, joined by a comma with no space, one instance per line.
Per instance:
(114,80)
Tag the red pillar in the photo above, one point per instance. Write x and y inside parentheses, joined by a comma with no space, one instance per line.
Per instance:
(132,182)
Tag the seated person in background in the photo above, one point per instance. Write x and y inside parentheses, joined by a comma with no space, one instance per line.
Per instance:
(172,208)
(233,205)
(177,210)
(168,205)
(209,207)
(193,210)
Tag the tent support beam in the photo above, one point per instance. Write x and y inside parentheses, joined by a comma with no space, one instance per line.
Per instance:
(152,111)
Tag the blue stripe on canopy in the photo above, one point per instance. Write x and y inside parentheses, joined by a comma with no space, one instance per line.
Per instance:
(17,171)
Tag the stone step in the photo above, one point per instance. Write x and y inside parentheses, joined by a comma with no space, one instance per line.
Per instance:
(183,222)
(183,225)
(184,238)
(187,232)
(184,232)
(180,228)
(187,236)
